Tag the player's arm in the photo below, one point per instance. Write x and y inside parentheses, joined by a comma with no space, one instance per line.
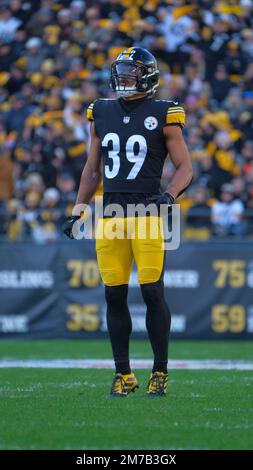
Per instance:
(91,174)
(90,180)
(180,158)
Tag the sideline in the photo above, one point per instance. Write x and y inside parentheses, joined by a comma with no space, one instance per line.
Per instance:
(135,364)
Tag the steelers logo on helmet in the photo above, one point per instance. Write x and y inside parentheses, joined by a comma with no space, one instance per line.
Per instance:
(150,123)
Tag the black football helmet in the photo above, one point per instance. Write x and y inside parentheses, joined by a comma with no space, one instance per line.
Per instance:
(137,66)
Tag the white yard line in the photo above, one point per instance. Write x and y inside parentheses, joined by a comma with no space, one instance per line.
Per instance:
(135,363)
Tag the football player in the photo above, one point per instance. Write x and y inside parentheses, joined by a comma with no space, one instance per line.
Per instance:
(133,135)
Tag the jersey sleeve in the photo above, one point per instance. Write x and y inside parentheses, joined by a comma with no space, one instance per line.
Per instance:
(175,115)
(89,113)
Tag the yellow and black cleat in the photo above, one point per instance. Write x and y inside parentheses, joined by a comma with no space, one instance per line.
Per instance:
(122,385)
(157,386)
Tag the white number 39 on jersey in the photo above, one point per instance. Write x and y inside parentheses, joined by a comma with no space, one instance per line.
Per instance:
(136,158)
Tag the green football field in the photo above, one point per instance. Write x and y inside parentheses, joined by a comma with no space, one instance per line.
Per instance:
(70,409)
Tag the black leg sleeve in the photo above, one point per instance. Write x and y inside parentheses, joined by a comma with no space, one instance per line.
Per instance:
(119,325)
(158,322)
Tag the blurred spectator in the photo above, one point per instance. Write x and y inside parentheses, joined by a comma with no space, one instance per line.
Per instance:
(240,190)
(55,58)
(223,166)
(35,54)
(8,23)
(16,80)
(18,113)
(227,214)
(46,228)
(199,214)
(220,83)
(66,185)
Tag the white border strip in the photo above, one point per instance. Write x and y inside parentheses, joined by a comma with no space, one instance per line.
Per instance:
(135,364)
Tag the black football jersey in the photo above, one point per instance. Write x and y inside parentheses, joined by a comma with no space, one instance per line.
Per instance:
(132,141)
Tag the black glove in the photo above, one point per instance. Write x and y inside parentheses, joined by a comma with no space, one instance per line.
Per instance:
(68,225)
(164,198)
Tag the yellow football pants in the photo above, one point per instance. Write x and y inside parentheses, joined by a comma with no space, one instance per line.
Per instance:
(121,241)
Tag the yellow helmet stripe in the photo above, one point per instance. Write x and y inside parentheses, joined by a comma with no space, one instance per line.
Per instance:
(128,51)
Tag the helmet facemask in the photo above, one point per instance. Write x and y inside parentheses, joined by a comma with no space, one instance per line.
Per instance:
(129,79)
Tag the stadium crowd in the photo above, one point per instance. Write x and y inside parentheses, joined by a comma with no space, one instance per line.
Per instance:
(55,58)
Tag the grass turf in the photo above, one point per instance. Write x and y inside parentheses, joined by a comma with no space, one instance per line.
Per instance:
(70,409)
(99,349)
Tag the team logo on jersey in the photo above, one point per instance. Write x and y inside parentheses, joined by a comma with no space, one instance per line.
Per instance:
(150,123)
(126,119)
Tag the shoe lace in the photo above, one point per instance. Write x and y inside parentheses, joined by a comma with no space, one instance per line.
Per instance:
(157,383)
(118,384)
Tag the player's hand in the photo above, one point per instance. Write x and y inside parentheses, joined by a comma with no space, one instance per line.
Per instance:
(164,198)
(68,225)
